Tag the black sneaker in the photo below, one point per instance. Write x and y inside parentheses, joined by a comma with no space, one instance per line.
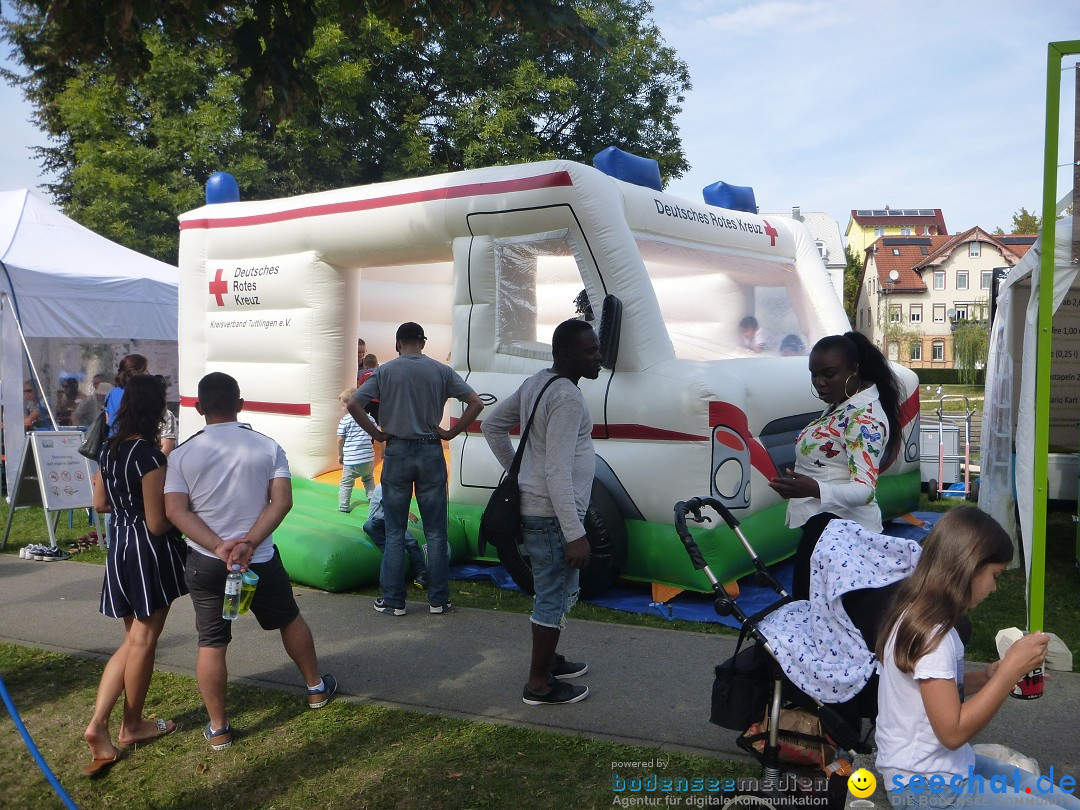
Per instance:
(560,692)
(382,607)
(568,669)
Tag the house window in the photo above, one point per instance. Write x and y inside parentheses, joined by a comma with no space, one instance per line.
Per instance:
(939,313)
(938,350)
(974,250)
(821,250)
(916,313)
(960,312)
(879,231)
(939,279)
(986,279)
(896,251)
(916,350)
(905,231)
(961,279)
(895,313)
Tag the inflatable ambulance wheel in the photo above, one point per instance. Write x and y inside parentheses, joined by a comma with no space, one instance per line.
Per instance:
(973,492)
(932,490)
(606,531)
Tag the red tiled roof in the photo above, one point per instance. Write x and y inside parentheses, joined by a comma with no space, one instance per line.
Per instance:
(1010,253)
(910,255)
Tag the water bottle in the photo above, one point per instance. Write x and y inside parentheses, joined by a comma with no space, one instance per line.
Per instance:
(231,607)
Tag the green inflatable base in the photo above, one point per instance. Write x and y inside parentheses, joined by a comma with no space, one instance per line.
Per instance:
(328,549)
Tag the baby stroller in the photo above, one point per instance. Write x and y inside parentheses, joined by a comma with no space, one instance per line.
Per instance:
(810,654)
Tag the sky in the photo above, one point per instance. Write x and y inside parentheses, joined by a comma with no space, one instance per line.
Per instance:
(832,105)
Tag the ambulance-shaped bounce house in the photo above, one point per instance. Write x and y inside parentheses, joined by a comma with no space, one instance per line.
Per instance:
(489,261)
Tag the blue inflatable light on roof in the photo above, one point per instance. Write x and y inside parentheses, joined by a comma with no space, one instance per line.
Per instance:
(725,195)
(640,171)
(222,188)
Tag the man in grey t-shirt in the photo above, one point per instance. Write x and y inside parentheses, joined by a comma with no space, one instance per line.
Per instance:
(413,390)
(555,480)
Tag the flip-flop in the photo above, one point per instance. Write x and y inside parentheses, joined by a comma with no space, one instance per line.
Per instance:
(163,727)
(99,766)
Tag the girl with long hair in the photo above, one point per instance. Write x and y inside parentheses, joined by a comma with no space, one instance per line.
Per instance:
(929,708)
(144,572)
(840,454)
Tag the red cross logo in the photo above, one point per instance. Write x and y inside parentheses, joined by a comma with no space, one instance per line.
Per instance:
(218,288)
(771,232)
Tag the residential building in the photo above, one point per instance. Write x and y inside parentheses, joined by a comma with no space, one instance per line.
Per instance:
(826,235)
(916,289)
(867,225)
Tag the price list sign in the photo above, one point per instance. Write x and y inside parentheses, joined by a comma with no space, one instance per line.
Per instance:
(1065,374)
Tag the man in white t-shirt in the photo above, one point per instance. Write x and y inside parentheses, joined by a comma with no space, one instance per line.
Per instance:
(227,488)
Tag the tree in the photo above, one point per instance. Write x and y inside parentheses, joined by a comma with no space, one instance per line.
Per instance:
(971,345)
(266,41)
(1025,222)
(131,154)
(853,273)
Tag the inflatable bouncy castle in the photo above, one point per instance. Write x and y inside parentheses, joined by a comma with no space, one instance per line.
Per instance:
(489,261)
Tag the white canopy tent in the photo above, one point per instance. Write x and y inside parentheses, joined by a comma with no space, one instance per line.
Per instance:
(82,302)
(1008,435)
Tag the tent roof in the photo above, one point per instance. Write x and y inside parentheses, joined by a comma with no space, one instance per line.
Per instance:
(68,281)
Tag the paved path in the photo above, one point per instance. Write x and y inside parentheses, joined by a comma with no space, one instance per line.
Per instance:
(648,686)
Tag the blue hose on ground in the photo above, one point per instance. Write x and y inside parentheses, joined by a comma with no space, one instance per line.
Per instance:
(34,749)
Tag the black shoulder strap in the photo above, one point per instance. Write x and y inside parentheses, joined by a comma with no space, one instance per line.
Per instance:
(516,466)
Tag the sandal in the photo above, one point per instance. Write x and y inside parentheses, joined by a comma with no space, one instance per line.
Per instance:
(163,727)
(224,733)
(99,766)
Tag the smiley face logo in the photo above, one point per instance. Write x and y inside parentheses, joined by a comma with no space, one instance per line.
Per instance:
(861,783)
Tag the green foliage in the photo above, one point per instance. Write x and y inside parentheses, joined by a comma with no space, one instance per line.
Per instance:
(1025,222)
(948,376)
(971,345)
(132,145)
(853,273)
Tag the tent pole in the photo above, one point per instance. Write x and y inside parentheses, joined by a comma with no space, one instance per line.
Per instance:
(1037,562)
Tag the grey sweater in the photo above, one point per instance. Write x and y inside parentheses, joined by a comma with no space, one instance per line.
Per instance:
(559,462)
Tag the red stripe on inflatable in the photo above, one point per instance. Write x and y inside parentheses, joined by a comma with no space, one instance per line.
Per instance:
(724,413)
(551,180)
(640,432)
(286,408)
(910,408)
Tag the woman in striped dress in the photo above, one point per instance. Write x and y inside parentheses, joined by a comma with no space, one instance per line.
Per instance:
(145,568)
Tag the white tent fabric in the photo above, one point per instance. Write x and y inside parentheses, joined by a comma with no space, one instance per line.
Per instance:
(1009,418)
(66,282)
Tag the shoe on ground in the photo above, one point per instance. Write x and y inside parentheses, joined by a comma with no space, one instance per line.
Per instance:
(52,554)
(559,693)
(221,739)
(382,607)
(318,698)
(568,669)
(440,609)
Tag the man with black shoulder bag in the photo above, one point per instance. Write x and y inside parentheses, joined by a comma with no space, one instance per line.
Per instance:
(555,482)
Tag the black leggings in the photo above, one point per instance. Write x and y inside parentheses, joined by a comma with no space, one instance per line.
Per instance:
(811,532)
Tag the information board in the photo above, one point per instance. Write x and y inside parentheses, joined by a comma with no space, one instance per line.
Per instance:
(63,473)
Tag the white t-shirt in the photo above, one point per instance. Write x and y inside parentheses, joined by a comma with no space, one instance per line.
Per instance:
(225,470)
(906,742)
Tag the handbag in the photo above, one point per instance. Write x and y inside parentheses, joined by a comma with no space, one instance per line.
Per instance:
(500,523)
(96,435)
(741,687)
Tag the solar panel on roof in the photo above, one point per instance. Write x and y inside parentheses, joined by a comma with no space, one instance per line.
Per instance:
(879,213)
(889,241)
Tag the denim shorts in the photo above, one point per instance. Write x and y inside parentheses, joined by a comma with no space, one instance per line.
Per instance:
(555,584)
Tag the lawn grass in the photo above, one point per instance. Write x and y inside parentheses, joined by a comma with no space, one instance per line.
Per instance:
(347,755)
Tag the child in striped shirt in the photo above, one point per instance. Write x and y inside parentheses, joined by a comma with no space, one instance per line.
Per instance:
(356,454)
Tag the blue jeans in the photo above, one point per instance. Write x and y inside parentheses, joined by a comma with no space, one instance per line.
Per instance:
(556,585)
(979,791)
(409,463)
(376,530)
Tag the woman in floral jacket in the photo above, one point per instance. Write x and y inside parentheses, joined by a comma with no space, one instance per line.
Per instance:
(839,454)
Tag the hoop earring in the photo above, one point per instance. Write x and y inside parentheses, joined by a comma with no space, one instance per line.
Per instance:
(846,394)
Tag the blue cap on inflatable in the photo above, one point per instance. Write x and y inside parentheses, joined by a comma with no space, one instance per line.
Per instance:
(735,198)
(222,188)
(622,165)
